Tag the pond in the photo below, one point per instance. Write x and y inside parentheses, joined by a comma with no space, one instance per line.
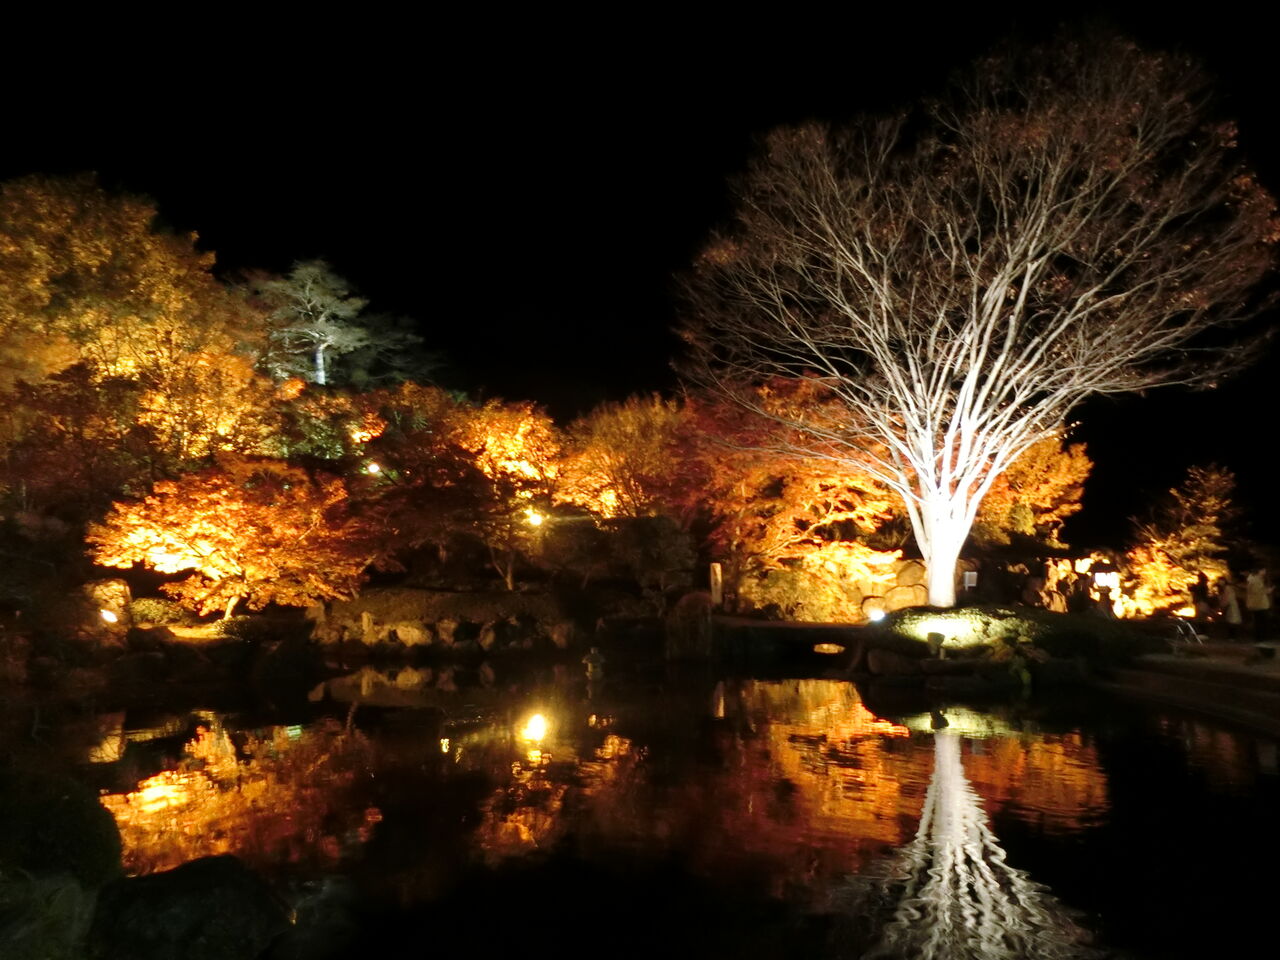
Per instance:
(499,808)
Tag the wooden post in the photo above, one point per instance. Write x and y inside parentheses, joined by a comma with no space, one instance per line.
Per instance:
(717,585)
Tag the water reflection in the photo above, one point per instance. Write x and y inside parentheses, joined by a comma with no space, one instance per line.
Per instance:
(285,795)
(410,782)
(952,895)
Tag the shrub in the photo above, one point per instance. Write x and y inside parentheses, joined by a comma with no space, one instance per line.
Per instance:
(158,610)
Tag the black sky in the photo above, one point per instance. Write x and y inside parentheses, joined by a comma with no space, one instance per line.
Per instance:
(526,186)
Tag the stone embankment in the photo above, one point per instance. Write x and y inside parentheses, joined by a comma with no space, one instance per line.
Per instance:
(412,618)
(1236,683)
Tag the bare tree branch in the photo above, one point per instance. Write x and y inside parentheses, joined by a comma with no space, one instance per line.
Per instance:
(1066,224)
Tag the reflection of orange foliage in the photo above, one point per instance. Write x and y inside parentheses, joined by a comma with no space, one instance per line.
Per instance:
(285,801)
(1055,782)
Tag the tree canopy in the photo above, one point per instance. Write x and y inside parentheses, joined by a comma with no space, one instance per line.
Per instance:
(1067,222)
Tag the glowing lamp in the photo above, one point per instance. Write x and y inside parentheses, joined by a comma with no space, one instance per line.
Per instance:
(373,468)
(1105,575)
(535,729)
(876,615)
(535,518)
(444,744)
(1185,612)
(108,616)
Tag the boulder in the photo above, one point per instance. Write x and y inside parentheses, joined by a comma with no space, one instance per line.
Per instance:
(886,663)
(561,633)
(903,596)
(410,634)
(446,630)
(55,825)
(213,908)
(910,573)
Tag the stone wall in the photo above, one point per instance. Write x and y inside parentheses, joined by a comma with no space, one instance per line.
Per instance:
(402,616)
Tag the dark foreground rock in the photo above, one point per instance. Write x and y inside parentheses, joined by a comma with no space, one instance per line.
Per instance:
(214,908)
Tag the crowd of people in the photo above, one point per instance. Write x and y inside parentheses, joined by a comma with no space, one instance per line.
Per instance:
(1238,608)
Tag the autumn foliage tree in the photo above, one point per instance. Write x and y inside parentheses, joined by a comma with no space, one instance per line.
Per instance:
(1067,223)
(1185,536)
(1033,497)
(86,276)
(257,531)
(619,460)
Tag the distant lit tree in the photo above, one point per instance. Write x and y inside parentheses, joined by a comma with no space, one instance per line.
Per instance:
(1067,224)
(1185,536)
(249,530)
(315,318)
(517,448)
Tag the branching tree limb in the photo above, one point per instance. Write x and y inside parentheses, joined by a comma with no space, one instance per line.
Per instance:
(1066,224)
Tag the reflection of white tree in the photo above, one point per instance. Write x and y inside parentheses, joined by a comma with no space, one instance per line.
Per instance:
(952,895)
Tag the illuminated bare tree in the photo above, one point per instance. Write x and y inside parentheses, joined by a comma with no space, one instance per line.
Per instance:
(953,896)
(1066,224)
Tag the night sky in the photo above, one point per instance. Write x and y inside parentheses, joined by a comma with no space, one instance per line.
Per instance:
(527,187)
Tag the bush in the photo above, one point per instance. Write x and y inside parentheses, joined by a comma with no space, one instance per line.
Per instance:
(157,610)
(260,630)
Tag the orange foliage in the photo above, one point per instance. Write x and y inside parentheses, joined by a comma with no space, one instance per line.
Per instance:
(1035,494)
(256,530)
(620,458)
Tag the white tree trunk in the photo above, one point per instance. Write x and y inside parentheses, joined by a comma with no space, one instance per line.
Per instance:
(320,377)
(944,529)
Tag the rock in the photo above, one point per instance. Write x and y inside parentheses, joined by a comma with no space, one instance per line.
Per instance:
(445,630)
(873,607)
(911,573)
(411,634)
(488,637)
(561,633)
(411,678)
(110,602)
(886,663)
(901,597)
(213,908)
(56,825)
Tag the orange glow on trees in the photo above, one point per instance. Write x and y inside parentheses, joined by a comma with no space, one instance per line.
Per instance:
(1184,538)
(254,530)
(794,530)
(620,459)
(1035,494)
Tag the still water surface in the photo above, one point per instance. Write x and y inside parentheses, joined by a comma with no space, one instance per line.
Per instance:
(688,813)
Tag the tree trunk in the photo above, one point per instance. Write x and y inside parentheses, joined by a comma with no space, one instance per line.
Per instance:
(320,377)
(940,542)
(231,605)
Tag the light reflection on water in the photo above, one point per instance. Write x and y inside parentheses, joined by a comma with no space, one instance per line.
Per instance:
(411,775)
